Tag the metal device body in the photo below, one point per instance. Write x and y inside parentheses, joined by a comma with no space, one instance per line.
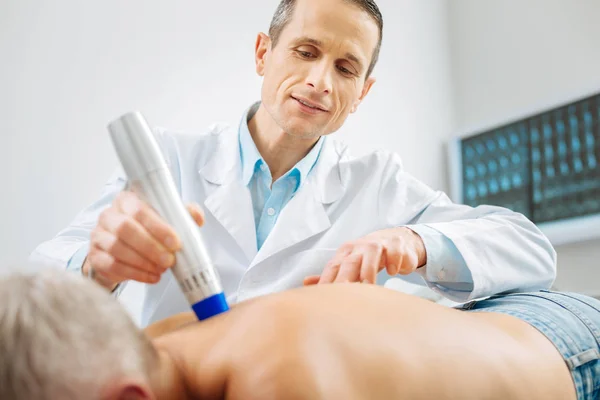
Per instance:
(149,177)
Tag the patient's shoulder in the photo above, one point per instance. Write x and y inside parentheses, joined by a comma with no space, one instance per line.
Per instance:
(170,324)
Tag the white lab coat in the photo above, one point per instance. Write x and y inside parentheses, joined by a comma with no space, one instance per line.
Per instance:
(344,198)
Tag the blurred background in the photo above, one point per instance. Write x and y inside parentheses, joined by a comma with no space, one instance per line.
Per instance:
(448,69)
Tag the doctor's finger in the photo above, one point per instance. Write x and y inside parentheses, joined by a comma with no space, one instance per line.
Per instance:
(330,272)
(350,269)
(370,266)
(115,271)
(311,280)
(135,236)
(340,255)
(131,205)
(118,249)
(196,213)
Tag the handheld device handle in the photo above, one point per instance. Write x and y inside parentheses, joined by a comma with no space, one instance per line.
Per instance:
(150,178)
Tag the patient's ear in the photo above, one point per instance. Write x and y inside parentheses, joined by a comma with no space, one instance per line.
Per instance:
(129,391)
(134,392)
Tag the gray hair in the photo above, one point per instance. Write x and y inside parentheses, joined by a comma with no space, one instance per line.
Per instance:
(285,11)
(64,337)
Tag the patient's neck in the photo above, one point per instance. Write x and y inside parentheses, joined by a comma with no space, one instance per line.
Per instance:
(167,380)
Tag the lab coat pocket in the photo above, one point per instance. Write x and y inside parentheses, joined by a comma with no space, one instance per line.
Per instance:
(303,264)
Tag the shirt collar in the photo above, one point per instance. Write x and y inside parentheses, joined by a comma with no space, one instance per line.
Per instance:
(252,160)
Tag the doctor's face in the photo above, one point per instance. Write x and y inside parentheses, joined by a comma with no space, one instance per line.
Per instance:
(315,75)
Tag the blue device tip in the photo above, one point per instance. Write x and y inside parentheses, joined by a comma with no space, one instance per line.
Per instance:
(210,306)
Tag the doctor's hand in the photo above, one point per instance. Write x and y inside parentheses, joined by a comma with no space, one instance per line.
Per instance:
(132,242)
(398,250)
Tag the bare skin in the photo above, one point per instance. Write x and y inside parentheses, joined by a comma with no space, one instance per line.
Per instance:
(342,341)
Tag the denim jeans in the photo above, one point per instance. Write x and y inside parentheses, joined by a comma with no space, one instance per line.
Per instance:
(570,320)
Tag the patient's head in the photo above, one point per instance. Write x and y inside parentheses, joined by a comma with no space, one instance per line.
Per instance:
(63,337)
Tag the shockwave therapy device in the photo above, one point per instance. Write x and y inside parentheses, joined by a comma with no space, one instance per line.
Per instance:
(149,177)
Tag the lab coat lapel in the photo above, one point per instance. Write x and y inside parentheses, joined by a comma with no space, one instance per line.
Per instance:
(229,201)
(305,215)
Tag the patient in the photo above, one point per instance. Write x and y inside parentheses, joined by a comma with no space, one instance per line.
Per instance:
(63,337)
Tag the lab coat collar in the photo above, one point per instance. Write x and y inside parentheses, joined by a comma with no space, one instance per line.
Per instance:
(329,176)
(228,200)
(224,165)
(248,151)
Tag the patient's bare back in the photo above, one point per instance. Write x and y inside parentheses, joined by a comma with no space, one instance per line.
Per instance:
(356,341)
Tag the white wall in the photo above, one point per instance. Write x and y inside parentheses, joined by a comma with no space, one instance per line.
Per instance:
(68,67)
(410,108)
(511,58)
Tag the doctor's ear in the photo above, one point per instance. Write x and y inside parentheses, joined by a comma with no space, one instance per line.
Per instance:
(369,82)
(261,50)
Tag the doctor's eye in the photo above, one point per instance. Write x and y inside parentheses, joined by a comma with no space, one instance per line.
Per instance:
(305,54)
(344,71)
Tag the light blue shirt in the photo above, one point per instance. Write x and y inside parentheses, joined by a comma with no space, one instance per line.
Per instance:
(268,197)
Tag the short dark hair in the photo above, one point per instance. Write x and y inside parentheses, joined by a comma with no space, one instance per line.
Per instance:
(285,10)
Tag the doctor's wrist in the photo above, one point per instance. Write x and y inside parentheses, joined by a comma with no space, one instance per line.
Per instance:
(419,248)
(88,270)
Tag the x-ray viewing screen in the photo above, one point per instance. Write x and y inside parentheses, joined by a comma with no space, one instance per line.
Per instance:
(545,166)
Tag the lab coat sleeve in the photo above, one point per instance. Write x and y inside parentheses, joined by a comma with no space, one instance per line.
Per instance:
(442,256)
(502,250)
(68,249)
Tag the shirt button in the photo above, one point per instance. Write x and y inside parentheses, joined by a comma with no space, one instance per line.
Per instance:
(441,275)
(293,181)
(263,167)
(271,212)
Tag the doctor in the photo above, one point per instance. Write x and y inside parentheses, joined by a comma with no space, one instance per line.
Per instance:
(285,204)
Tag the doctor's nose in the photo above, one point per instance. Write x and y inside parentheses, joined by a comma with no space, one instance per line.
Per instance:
(320,80)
